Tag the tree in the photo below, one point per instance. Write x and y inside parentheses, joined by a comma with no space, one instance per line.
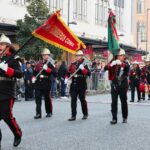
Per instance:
(38,12)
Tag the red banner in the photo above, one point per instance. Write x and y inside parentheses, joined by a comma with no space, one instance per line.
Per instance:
(54,31)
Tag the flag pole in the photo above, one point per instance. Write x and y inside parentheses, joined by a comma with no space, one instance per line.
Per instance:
(12,56)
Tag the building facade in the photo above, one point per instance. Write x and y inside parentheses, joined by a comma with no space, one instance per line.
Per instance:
(86,18)
(141,24)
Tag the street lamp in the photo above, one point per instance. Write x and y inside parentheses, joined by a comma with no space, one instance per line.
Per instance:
(148,9)
(68,26)
(68,23)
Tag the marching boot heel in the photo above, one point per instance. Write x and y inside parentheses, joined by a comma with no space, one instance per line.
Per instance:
(37,116)
(113,122)
(72,119)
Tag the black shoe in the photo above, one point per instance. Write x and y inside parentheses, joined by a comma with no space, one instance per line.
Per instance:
(84,117)
(38,116)
(124,120)
(17,141)
(138,100)
(113,122)
(72,119)
(48,115)
(131,101)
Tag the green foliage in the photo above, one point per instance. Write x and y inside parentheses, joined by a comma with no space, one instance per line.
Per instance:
(38,12)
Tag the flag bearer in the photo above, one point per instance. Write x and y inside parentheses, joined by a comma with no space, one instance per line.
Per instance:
(118,73)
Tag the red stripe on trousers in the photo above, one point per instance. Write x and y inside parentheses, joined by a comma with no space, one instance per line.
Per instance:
(13,120)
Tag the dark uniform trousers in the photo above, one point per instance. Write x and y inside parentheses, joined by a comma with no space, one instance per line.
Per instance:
(74,96)
(8,117)
(47,99)
(135,85)
(122,93)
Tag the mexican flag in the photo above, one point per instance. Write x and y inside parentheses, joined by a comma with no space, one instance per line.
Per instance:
(113,45)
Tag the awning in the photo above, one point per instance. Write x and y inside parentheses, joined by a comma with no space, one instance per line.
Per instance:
(102,45)
(8,29)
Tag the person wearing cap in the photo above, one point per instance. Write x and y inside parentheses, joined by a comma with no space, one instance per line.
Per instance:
(42,83)
(8,73)
(78,86)
(134,78)
(28,73)
(118,69)
(145,75)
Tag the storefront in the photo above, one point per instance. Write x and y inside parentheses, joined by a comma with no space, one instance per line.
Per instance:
(99,49)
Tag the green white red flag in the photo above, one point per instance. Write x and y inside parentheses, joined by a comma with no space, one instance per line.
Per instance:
(113,45)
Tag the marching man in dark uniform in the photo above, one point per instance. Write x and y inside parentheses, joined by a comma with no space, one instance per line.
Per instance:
(118,70)
(134,77)
(78,86)
(8,74)
(42,85)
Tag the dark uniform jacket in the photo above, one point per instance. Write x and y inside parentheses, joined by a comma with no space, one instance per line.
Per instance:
(118,74)
(43,81)
(146,73)
(79,79)
(135,75)
(28,73)
(62,71)
(8,79)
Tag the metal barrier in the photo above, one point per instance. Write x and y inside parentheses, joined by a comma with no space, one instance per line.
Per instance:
(98,83)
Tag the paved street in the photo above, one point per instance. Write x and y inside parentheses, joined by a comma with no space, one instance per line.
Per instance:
(96,133)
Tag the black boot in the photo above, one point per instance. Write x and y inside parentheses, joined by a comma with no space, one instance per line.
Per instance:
(72,119)
(84,117)
(17,141)
(37,116)
(124,120)
(113,122)
(49,115)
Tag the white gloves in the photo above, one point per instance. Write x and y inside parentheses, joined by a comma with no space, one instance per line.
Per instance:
(4,66)
(81,67)
(113,63)
(33,80)
(66,80)
(118,62)
(45,67)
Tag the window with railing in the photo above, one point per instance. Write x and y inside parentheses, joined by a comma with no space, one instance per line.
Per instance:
(101,12)
(141,28)
(119,3)
(55,5)
(19,2)
(80,10)
(119,10)
(119,17)
(140,6)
